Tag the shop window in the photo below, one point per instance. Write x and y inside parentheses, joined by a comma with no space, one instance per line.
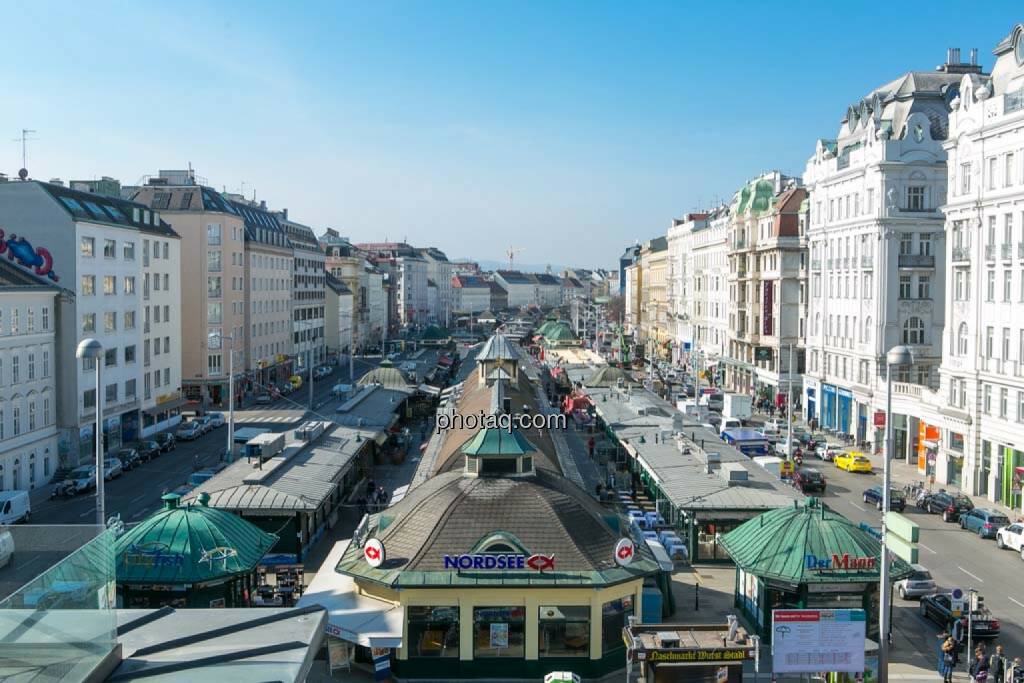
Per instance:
(614,617)
(564,631)
(433,631)
(499,632)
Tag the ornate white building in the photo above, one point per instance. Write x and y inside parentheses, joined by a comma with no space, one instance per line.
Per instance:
(877,247)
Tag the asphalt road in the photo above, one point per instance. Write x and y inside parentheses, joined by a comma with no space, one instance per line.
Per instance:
(135,494)
(955,558)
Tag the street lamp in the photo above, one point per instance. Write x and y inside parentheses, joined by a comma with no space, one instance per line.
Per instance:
(230,452)
(92,349)
(898,357)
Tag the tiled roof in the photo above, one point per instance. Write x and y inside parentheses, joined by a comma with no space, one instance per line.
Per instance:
(775,545)
(546,279)
(514,277)
(470,281)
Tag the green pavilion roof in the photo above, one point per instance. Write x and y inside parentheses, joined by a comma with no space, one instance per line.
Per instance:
(189,544)
(434,333)
(780,544)
(498,441)
(559,332)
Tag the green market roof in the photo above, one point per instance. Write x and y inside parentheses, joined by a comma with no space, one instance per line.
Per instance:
(806,544)
(498,441)
(189,544)
(609,376)
(435,333)
(559,333)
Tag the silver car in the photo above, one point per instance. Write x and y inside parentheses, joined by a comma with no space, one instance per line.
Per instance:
(919,583)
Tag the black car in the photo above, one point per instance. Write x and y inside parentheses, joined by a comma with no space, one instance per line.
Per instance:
(897,499)
(949,505)
(937,608)
(166,441)
(148,450)
(809,479)
(129,458)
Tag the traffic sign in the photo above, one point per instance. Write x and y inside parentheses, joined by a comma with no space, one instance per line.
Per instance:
(957,602)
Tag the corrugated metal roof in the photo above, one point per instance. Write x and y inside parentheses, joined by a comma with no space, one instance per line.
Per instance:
(497,347)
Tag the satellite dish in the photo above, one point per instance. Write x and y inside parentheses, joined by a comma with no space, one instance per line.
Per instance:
(23,173)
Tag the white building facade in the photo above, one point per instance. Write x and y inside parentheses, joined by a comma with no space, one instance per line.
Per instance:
(160,307)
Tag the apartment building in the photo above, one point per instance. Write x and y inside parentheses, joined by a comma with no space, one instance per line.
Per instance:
(549,289)
(709,274)
(339,317)
(28,378)
(678,284)
(765,278)
(269,269)
(162,348)
(439,271)
(521,288)
(877,247)
(212,271)
(472,294)
(91,246)
(405,277)
(309,291)
(654,304)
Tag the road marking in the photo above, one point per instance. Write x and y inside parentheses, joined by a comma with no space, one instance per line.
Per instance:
(1010,597)
(857,506)
(87,513)
(922,545)
(136,499)
(973,576)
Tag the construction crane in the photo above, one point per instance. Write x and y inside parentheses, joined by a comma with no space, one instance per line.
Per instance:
(511,253)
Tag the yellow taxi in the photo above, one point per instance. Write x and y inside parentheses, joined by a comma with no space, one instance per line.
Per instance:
(296,381)
(854,461)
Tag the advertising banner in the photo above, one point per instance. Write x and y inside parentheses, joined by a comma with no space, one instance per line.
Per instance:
(811,640)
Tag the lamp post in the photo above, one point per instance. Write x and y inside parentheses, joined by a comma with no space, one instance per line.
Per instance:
(898,357)
(229,453)
(93,349)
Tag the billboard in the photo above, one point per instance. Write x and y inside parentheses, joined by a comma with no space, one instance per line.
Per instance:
(813,640)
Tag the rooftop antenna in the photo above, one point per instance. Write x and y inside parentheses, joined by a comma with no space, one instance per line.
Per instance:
(23,172)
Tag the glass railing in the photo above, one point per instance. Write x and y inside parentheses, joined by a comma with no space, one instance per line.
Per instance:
(61,609)
(1013,101)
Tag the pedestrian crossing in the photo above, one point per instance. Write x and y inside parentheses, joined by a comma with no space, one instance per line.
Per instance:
(268,417)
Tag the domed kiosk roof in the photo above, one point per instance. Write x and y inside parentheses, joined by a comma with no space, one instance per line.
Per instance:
(453,515)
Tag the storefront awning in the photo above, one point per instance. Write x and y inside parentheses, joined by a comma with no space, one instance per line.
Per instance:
(353,617)
(173,404)
(428,389)
(381,438)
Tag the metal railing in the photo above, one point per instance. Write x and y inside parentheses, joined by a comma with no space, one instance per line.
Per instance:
(916,261)
(990,252)
(816,264)
(1007,251)
(1020,250)
(964,253)
(867,262)
(1013,101)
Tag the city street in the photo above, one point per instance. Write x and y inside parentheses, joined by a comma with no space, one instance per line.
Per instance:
(135,494)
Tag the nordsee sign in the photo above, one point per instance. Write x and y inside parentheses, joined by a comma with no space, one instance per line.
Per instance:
(499,561)
(838,563)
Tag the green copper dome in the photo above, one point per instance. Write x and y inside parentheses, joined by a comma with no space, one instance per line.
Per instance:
(498,441)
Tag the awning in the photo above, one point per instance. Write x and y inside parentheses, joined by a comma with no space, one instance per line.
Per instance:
(353,617)
(381,438)
(429,389)
(173,404)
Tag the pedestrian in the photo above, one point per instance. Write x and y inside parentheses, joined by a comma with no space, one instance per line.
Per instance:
(948,658)
(371,486)
(590,446)
(979,667)
(997,665)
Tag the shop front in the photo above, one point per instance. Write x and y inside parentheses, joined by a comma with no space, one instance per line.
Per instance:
(811,401)
(845,400)
(829,563)
(1009,493)
(954,458)
(927,448)
(688,653)
(829,407)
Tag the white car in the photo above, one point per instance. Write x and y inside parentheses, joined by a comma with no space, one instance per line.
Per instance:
(1011,537)
(919,583)
(112,468)
(827,451)
(729,423)
(216,419)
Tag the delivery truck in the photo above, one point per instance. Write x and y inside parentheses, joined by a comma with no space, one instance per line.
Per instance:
(737,406)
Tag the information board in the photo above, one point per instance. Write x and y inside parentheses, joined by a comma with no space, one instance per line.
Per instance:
(813,640)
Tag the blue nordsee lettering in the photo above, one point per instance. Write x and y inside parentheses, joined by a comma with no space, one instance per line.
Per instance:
(485,561)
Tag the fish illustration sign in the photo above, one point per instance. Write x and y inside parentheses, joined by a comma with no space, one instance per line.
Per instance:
(218,554)
(21,251)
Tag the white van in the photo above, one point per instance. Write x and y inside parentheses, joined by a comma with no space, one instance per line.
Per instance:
(729,423)
(15,507)
(6,548)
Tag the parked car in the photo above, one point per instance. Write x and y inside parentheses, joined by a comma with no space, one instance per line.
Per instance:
(949,505)
(716,401)
(187,431)
(166,441)
(982,521)
(129,457)
(802,435)
(217,419)
(1011,537)
(205,424)
(827,451)
(15,506)
(809,479)
(729,423)
(853,462)
(937,607)
(772,427)
(284,388)
(112,468)
(897,499)
(148,450)
(6,548)
(82,478)
(263,399)
(917,584)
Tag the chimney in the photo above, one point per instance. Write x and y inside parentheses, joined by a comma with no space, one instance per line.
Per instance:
(956,56)
(974,56)
(284,212)
(263,204)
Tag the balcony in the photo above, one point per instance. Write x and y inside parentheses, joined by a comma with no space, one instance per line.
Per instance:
(1006,251)
(816,263)
(907,389)
(867,262)
(828,263)
(964,253)
(916,261)
(1020,250)
(846,262)
(990,252)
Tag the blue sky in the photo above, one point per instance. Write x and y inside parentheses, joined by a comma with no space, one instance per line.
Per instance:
(567,129)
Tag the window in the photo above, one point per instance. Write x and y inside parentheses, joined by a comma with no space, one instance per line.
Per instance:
(870,200)
(110,358)
(156,314)
(129,354)
(15,378)
(214,366)
(88,322)
(213,262)
(433,631)
(167,249)
(31,366)
(213,234)
(167,282)
(46,318)
(992,173)
(867,330)
(915,198)
(924,287)
(906,243)
(109,284)
(88,247)
(563,631)
(986,399)
(965,178)
(128,317)
(46,363)
(156,282)
(16,415)
(109,249)
(499,632)
(1004,402)
(961,340)
(128,250)
(924,244)
(129,284)
(214,313)
(88,285)
(88,364)
(989,341)
(1007,284)
(111,394)
(1006,344)
(962,285)
(129,389)
(1008,171)
(109,321)
(31,414)
(913,331)
(905,286)
(167,344)
(30,320)
(46,417)
(990,289)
